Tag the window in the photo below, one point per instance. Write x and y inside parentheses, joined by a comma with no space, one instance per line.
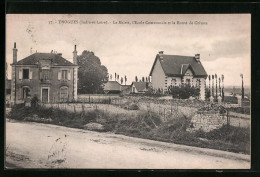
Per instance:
(64,74)
(64,93)
(25,73)
(173,82)
(46,74)
(197,82)
(188,81)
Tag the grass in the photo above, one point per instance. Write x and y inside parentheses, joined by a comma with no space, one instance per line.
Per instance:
(144,124)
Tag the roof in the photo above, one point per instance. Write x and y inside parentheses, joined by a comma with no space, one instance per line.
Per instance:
(123,87)
(140,86)
(176,65)
(111,85)
(34,59)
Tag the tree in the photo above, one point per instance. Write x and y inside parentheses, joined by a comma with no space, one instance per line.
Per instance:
(209,86)
(219,86)
(91,73)
(213,85)
(241,75)
(216,77)
(122,80)
(223,96)
(136,79)
(125,80)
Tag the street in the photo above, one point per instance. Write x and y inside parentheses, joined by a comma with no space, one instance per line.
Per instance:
(36,145)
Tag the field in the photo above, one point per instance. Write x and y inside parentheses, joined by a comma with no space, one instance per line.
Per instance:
(144,117)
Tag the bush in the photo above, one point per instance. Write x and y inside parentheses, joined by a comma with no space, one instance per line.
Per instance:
(184,91)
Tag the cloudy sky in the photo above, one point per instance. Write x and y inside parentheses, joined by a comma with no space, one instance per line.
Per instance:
(223,41)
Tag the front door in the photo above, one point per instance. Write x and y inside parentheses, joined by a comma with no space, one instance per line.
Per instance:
(45,95)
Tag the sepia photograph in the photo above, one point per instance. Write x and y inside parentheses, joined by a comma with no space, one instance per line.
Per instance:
(128,91)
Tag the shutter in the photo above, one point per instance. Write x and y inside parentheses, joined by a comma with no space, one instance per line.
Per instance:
(20,74)
(30,74)
(69,75)
(59,75)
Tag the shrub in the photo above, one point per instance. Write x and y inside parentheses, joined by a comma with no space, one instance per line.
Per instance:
(184,91)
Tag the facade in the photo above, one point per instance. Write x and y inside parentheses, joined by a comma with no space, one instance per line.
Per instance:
(48,76)
(139,87)
(174,70)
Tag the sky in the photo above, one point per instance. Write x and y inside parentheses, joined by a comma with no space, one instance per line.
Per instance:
(128,44)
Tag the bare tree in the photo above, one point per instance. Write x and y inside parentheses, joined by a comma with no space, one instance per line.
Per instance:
(213,85)
(216,77)
(242,77)
(125,80)
(122,80)
(209,86)
(223,95)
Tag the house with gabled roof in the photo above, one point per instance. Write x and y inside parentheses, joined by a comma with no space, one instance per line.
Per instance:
(174,70)
(139,87)
(48,76)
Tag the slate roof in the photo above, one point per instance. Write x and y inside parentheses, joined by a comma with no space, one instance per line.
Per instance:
(176,65)
(34,59)
(140,86)
(111,86)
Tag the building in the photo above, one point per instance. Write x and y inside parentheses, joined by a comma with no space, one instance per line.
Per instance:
(113,87)
(139,87)
(48,76)
(174,70)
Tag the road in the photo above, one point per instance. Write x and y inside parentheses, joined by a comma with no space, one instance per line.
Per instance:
(36,145)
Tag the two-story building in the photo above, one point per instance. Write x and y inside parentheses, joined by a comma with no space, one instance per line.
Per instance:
(174,70)
(48,76)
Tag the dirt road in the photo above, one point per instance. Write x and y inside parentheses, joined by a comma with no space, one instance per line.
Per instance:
(35,145)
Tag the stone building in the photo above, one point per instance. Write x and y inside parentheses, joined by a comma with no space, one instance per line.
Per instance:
(174,70)
(48,76)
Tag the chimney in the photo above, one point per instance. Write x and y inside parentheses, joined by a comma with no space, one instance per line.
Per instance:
(197,57)
(160,52)
(75,61)
(15,53)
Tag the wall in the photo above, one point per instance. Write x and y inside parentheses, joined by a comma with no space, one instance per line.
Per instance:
(158,76)
(207,121)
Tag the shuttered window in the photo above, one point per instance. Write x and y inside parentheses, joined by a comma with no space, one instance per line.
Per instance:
(64,94)
(26,73)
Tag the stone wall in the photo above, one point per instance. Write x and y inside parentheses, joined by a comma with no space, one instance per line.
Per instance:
(207,121)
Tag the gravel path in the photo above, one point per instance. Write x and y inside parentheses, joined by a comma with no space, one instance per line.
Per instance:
(35,145)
